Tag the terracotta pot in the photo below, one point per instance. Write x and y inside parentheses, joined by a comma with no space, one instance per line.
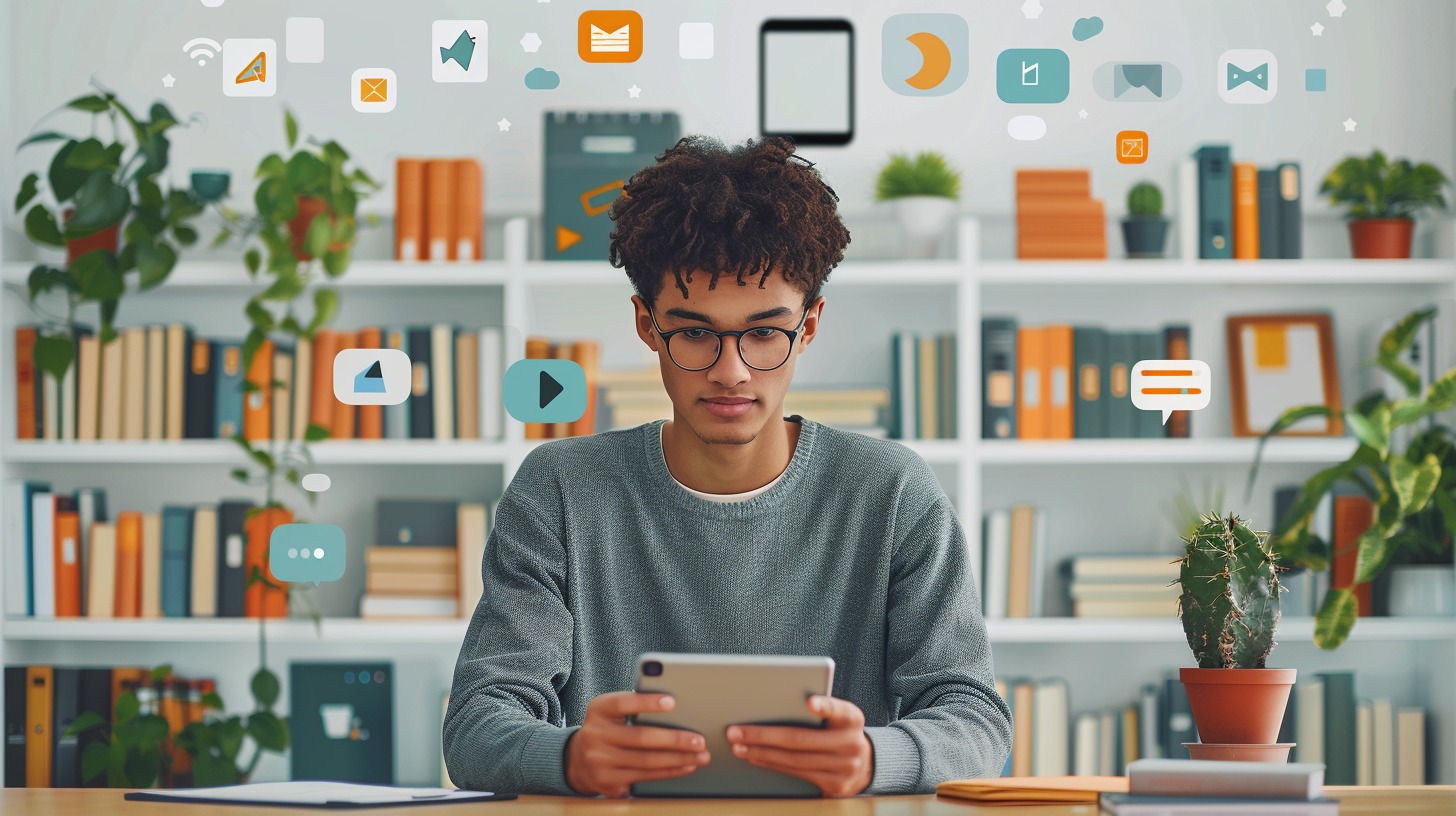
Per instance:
(109,238)
(308,209)
(1381,237)
(1242,706)
(1228,752)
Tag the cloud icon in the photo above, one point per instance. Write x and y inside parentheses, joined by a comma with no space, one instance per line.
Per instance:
(540,79)
(1086,28)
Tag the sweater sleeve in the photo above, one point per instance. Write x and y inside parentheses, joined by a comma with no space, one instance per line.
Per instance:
(952,724)
(504,729)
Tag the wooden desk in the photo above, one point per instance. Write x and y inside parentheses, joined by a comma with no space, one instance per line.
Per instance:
(1394,801)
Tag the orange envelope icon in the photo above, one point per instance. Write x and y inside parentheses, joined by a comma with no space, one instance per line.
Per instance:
(374,89)
(609,35)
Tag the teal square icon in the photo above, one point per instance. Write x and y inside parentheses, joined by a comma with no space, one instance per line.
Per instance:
(1314,79)
(1033,76)
(545,390)
(924,54)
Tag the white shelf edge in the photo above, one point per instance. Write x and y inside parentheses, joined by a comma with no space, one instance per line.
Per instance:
(1292,630)
(206,452)
(1165,451)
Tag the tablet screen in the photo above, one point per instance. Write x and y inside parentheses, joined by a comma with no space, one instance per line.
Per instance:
(807,83)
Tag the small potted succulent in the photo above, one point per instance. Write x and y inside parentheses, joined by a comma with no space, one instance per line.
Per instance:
(1382,198)
(1230,608)
(1145,230)
(925,189)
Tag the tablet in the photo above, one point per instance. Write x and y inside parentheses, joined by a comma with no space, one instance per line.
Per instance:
(712,692)
(806,80)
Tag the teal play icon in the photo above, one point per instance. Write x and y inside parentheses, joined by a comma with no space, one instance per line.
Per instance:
(545,391)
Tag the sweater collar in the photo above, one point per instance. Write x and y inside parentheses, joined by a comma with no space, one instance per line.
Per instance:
(785,485)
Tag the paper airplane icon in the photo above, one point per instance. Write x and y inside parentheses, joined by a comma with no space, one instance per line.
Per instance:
(461,51)
(257,70)
(370,380)
(566,238)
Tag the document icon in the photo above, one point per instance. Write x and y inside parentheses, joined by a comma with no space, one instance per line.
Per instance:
(373,90)
(1033,75)
(609,36)
(1030,73)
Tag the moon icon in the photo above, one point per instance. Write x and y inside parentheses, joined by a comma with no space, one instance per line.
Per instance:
(934,61)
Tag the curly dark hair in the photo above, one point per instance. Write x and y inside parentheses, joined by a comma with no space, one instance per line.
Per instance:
(747,211)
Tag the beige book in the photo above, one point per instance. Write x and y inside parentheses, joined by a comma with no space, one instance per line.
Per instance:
(101,571)
(412,559)
(113,374)
(155,408)
(1410,756)
(50,405)
(471,526)
(134,383)
(204,562)
(88,388)
(445,781)
(929,405)
(442,372)
(1018,598)
(412,583)
(175,381)
(302,385)
(151,565)
(467,386)
(282,392)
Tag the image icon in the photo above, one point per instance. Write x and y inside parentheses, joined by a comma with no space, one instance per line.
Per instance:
(924,54)
(311,553)
(1132,147)
(373,90)
(1137,81)
(609,36)
(545,390)
(371,376)
(248,67)
(1247,76)
(1033,75)
(1171,385)
(459,50)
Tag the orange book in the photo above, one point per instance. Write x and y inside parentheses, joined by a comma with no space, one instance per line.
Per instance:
(345,415)
(409,210)
(561,351)
(321,404)
(1072,181)
(469,211)
(25,380)
(587,354)
(538,348)
(258,401)
(68,564)
(260,600)
(39,699)
(1353,516)
(440,209)
(1246,211)
(1057,354)
(1022,729)
(370,417)
(1031,407)
(128,564)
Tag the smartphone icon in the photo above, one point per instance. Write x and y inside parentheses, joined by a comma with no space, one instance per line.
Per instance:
(806,80)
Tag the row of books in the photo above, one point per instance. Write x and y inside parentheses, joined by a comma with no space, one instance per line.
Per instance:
(41,703)
(1014,559)
(67,557)
(1360,741)
(439,210)
(923,391)
(1048,741)
(1071,382)
(1057,217)
(1245,212)
(426,562)
(163,383)
(588,355)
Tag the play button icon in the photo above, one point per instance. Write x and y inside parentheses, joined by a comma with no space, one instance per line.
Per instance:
(545,390)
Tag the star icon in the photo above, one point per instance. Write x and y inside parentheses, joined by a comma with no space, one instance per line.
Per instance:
(1317,29)
(1082,114)
(1349,125)
(1032,9)
(531,42)
(168,81)
(504,124)
(1336,8)
(634,91)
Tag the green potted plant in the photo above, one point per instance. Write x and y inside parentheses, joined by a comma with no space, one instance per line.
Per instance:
(925,189)
(1145,230)
(1410,477)
(102,201)
(1382,198)
(1229,606)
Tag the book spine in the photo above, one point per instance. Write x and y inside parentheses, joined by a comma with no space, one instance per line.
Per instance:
(467,385)
(88,388)
(156,397)
(176,562)
(1176,347)
(469,230)
(1121,414)
(1291,218)
(113,365)
(409,209)
(200,401)
(134,384)
(422,397)
(232,577)
(1215,203)
(1340,737)
(258,395)
(491,356)
(150,573)
(203,590)
(42,553)
(439,210)
(1268,195)
(65,747)
(25,383)
(1031,406)
(396,417)
(282,392)
(1057,348)
(67,555)
(1246,211)
(270,599)
(228,407)
(1353,515)
(39,705)
(128,565)
(370,417)
(346,417)
(442,369)
(1149,346)
(302,387)
(321,386)
(537,348)
(1089,360)
(101,572)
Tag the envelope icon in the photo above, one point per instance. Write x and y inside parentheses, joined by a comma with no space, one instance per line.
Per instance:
(374,89)
(609,36)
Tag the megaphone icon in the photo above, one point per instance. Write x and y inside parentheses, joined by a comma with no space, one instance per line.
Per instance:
(257,70)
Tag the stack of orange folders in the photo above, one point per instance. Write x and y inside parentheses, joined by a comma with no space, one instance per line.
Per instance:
(1033,790)
(1056,216)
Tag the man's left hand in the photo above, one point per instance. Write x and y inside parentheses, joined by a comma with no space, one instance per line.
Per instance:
(838,758)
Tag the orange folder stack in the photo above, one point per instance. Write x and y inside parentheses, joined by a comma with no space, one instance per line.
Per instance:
(1056,216)
(258,399)
(439,210)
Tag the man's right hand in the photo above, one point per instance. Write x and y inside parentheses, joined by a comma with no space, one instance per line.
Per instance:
(606,755)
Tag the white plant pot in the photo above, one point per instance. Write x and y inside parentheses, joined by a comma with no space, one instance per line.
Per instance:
(923,220)
(1423,591)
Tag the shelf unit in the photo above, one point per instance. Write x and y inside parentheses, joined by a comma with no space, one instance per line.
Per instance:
(1104,484)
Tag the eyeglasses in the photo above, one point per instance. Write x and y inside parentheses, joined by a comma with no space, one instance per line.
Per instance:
(763,348)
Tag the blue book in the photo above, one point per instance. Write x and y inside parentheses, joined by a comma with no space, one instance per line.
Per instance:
(1215,202)
(176,562)
(227,365)
(18,533)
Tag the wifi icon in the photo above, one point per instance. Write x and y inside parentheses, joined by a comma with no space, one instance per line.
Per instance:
(202,49)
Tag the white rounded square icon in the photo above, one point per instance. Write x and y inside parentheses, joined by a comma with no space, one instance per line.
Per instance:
(249,67)
(458,50)
(371,376)
(695,41)
(373,90)
(1247,76)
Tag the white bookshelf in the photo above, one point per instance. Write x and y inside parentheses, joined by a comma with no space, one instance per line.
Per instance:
(1101,495)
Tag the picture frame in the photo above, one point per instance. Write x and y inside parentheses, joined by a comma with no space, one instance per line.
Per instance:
(1277,362)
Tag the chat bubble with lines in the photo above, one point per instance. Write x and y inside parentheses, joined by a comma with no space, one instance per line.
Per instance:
(1171,385)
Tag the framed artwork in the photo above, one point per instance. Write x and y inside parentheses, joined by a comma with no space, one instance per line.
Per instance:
(1277,362)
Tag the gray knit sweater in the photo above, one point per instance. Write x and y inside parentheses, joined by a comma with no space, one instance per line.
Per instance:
(597,554)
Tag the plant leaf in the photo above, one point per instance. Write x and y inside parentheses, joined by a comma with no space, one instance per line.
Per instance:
(100,203)
(44,278)
(290,128)
(1372,429)
(47,136)
(316,241)
(325,306)
(154,263)
(40,227)
(1414,482)
(28,189)
(315,433)
(98,277)
(1335,619)
(1373,551)
(265,687)
(53,353)
(85,722)
(126,708)
(268,730)
(94,758)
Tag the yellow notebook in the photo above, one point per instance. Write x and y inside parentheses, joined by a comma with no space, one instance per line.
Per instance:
(1029,790)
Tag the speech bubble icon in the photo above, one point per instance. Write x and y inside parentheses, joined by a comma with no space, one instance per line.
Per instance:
(312,553)
(1170,385)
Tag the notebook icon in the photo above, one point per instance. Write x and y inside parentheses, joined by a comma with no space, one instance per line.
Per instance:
(609,36)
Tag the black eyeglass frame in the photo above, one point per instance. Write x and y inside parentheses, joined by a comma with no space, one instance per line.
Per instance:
(738,341)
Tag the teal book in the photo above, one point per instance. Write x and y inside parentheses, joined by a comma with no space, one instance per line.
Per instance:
(946,393)
(1339,727)
(998,378)
(1290,213)
(227,365)
(1268,187)
(176,562)
(1089,362)
(1121,415)
(1149,346)
(1215,202)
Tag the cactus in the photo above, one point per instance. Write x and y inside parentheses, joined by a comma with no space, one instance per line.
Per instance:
(1230,599)
(1144,200)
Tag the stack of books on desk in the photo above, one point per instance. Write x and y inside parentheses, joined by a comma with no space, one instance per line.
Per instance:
(427,561)
(1174,787)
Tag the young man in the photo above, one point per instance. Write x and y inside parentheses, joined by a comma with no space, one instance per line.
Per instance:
(728,528)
